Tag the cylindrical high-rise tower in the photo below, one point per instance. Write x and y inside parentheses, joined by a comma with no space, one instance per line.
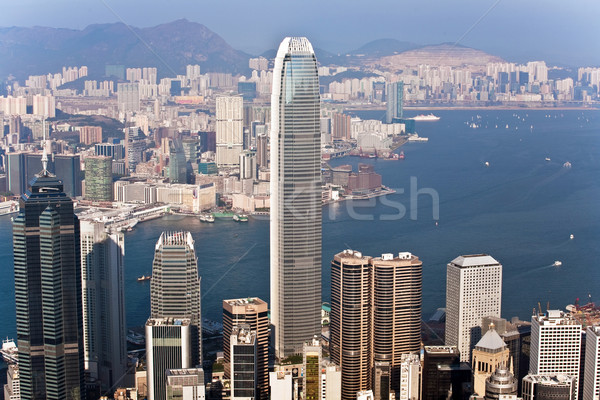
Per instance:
(295,197)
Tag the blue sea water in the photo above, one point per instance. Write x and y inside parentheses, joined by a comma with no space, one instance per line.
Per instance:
(520,209)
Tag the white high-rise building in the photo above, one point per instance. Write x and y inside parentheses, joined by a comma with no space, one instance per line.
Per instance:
(295,197)
(103,290)
(473,291)
(230,130)
(410,377)
(128,97)
(555,345)
(591,377)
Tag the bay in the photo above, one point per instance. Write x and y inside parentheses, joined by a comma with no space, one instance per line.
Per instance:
(520,209)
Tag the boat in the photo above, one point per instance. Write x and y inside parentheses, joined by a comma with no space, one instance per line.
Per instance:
(547,158)
(487,163)
(136,338)
(429,117)
(572,236)
(144,278)
(401,156)
(9,351)
(207,218)
(240,218)
(567,165)
(557,263)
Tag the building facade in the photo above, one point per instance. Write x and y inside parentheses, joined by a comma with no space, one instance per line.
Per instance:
(591,378)
(103,294)
(473,291)
(395,101)
(555,346)
(296,212)
(98,178)
(175,286)
(168,346)
(253,312)
(549,387)
(230,130)
(186,384)
(47,266)
(242,348)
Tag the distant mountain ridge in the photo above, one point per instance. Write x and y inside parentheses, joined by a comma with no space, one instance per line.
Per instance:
(169,47)
(172,46)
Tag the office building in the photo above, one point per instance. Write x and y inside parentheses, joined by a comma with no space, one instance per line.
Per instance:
(350,320)
(248,165)
(186,384)
(128,97)
(134,148)
(89,135)
(549,387)
(168,346)
(473,291)
(591,379)
(443,373)
(177,162)
(255,313)
(242,349)
(397,288)
(311,360)
(230,130)
(555,346)
(500,383)
(295,198)
(395,101)
(410,377)
(98,178)
(382,383)
(262,152)
(331,382)
(103,288)
(489,354)
(114,151)
(48,292)
(16,174)
(67,168)
(365,395)
(12,387)
(175,286)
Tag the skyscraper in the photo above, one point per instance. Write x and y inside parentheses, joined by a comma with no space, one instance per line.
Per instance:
(175,285)
(555,346)
(98,178)
(395,101)
(230,130)
(103,287)
(311,357)
(253,312)
(591,379)
(243,362)
(167,347)
(473,291)
(295,197)
(48,292)
(375,318)
(350,317)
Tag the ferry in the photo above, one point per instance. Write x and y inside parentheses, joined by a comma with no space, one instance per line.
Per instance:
(9,351)
(144,278)
(240,218)
(207,218)
(429,117)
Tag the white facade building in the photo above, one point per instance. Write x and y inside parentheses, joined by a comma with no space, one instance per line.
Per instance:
(473,291)
(230,130)
(410,377)
(555,345)
(591,378)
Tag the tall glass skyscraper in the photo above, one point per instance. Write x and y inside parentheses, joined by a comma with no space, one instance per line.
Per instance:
(175,286)
(395,101)
(295,197)
(48,292)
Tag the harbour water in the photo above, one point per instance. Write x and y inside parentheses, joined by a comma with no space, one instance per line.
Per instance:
(521,209)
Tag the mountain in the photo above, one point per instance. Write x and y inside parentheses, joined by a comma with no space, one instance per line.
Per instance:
(169,47)
(435,55)
(382,48)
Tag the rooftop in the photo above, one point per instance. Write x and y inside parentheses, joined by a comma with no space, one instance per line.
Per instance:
(491,341)
(475,260)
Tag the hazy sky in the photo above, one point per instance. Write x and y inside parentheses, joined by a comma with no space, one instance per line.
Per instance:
(564,32)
